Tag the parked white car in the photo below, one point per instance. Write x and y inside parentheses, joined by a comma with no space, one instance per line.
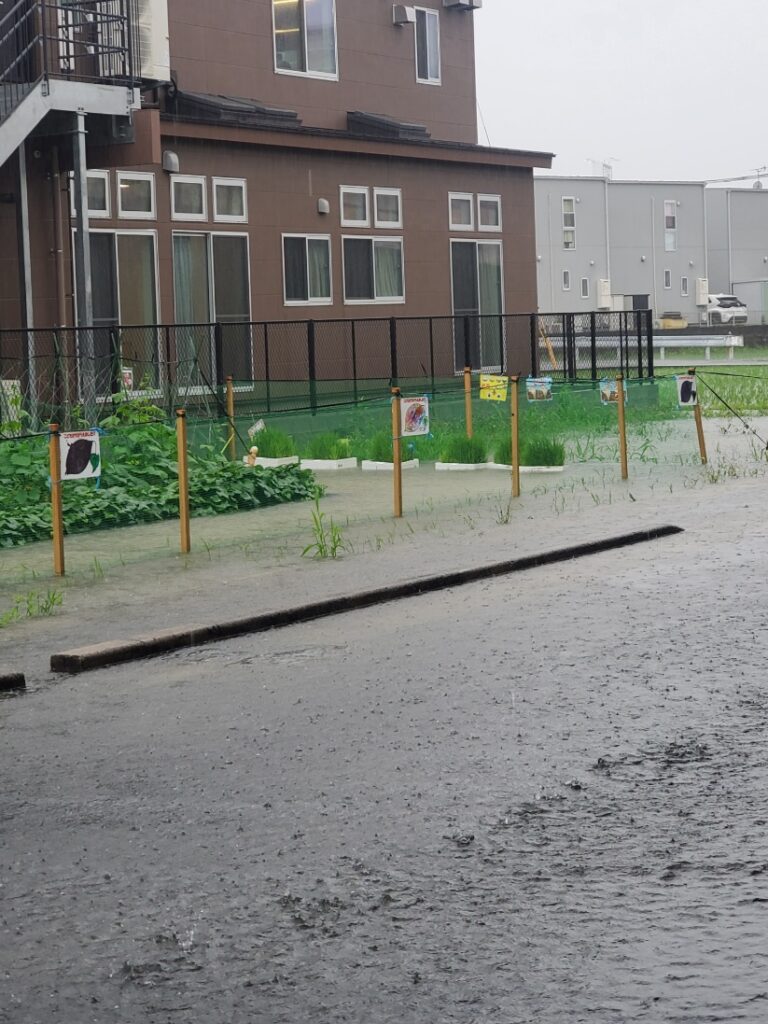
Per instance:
(726,309)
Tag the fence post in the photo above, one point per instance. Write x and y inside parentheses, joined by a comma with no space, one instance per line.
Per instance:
(640,370)
(181,450)
(699,421)
(649,322)
(117,368)
(467,346)
(168,381)
(354,360)
(622,426)
(397,467)
(218,348)
(57,516)
(432,352)
(468,399)
(593,343)
(393,349)
(534,345)
(502,346)
(266,368)
(57,388)
(231,450)
(312,366)
(515,408)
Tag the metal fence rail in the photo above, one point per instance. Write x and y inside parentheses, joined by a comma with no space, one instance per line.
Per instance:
(308,363)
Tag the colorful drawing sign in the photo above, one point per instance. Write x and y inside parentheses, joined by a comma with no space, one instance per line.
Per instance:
(493,388)
(538,389)
(414,417)
(686,390)
(127,375)
(80,455)
(609,392)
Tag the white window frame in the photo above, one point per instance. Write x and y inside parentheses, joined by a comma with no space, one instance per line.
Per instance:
(667,280)
(430,12)
(388,225)
(307,238)
(324,75)
(189,179)
(136,214)
(94,214)
(387,301)
(224,218)
(670,204)
(568,227)
(482,198)
(566,280)
(357,190)
(585,291)
(684,287)
(469,197)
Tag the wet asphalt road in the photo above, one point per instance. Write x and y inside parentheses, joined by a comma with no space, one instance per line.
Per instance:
(541,799)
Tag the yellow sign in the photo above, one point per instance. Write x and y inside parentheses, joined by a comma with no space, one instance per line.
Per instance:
(493,389)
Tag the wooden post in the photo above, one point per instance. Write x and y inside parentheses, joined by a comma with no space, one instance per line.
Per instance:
(513,382)
(181,448)
(231,450)
(699,421)
(57,516)
(468,398)
(397,468)
(622,427)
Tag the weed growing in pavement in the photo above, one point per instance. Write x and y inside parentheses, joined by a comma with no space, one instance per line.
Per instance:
(32,605)
(328,542)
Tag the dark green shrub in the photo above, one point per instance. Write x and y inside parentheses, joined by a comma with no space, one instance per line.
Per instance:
(329,446)
(468,450)
(534,451)
(274,444)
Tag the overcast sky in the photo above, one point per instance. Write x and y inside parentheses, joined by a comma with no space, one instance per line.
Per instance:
(664,89)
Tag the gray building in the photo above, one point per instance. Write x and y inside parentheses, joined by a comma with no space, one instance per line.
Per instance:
(614,245)
(738,246)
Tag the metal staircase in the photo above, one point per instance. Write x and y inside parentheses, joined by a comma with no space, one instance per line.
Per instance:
(71,55)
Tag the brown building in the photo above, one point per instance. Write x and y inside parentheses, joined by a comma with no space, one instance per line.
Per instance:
(264,161)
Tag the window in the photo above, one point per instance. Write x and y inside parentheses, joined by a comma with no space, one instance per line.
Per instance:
(569,222)
(566,280)
(667,278)
(461,211)
(489,213)
(427,46)
(188,199)
(354,207)
(670,225)
(388,208)
(477,276)
(98,194)
(211,282)
(136,195)
(307,269)
(230,204)
(305,37)
(373,270)
(585,287)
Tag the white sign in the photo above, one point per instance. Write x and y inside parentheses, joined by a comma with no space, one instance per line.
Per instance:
(80,455)
(414,417)
(686,390)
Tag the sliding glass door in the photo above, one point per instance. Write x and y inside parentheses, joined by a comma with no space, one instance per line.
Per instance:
(478,303)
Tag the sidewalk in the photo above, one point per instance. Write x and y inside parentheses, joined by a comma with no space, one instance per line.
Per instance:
(128,582)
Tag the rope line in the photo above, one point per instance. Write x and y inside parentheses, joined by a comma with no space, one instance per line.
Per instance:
(734,413)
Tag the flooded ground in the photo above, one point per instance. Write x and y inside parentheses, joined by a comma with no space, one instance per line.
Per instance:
(541,800)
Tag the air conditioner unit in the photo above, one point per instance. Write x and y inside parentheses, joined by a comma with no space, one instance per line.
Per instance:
(152,39)
(402,15)
(604,293)
(702,291)
(463,5)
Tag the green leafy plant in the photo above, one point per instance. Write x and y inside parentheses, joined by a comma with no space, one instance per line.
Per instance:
(329,446)
(468,450)
(32,605)
(328,541)
(542,451)
(274,444)
(379,447)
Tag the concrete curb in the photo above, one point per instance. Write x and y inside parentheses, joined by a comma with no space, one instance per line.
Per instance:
(12,681)
(84,659)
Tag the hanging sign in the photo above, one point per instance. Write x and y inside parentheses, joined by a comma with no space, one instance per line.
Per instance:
(686,390)
(80,455)
(493,388)
(414,417)
(609,393)
(538,389)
